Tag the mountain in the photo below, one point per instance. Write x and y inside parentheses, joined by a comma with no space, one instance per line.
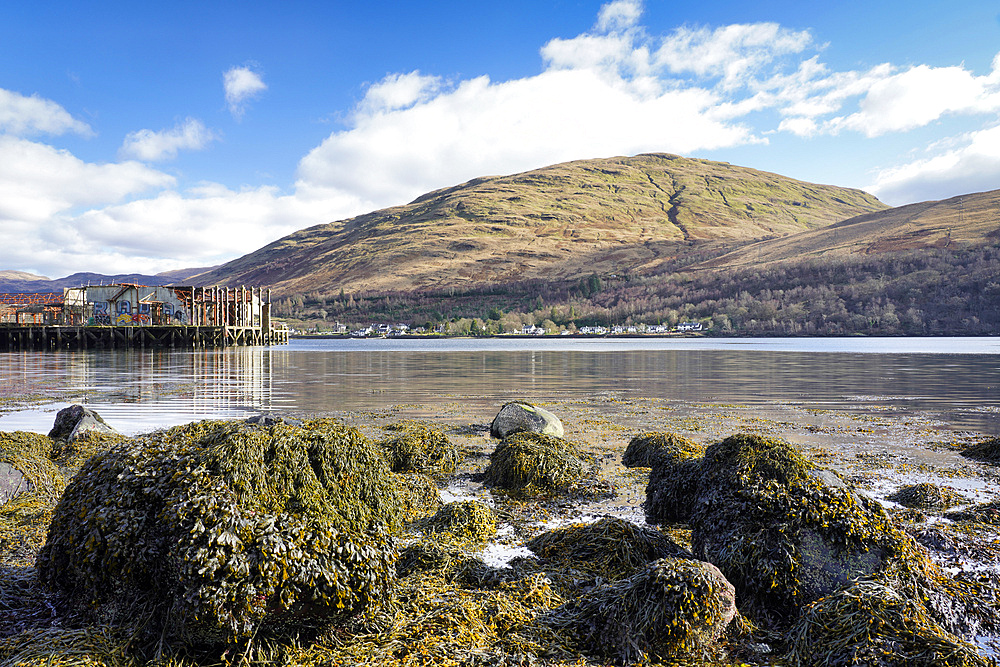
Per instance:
(559,222)
(20,281)
(965,220)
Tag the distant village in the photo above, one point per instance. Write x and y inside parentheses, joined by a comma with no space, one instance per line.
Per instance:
(400,330)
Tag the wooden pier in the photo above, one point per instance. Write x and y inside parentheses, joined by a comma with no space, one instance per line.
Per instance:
(123,316)
(63,337)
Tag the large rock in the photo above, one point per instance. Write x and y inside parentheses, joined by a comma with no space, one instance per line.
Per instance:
(208,532)
(518,417)
(76,421)
(785,531)
(672,609)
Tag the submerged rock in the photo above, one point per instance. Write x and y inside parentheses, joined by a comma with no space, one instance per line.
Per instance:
(76,421)
(868,623)
(521,417)
(532,463)
(672,609)
(205,533)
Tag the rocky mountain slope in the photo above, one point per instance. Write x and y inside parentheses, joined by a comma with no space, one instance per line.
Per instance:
(559,222)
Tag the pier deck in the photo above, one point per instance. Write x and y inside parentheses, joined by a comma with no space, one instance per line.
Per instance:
(65,337)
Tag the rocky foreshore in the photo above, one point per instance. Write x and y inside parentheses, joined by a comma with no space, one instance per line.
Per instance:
(598,533)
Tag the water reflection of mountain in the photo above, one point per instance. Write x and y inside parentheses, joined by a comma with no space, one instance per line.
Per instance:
(959,386)
(151,388)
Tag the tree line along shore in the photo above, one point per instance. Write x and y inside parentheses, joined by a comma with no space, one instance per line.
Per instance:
(922,293)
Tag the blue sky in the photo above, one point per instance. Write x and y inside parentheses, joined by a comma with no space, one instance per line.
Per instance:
(154,136)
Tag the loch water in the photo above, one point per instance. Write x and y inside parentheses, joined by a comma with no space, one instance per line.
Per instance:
(952,380)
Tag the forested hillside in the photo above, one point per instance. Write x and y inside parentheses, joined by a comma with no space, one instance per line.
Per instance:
(925,292)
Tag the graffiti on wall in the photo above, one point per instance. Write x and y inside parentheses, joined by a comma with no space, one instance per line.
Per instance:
(126,313)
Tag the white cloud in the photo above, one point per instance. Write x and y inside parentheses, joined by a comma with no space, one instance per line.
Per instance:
(20,116)
(209,225)
(70,216)
(971,166)
(481,127)
(241,85)
(399,91)
(919,96)
(601,93)
(153,146)
(619,15)
(38,181)
(803,127)
(734,53)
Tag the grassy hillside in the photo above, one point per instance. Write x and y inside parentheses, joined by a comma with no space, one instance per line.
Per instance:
(962,221)
(557,223)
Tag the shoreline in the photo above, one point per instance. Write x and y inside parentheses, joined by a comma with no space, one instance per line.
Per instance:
(877,452)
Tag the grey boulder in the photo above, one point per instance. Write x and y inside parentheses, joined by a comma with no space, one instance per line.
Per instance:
(75,421)
(519,416)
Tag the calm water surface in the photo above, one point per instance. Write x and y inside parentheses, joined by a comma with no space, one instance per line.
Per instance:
(954,380)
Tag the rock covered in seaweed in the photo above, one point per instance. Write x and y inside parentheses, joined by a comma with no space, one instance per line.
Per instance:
(26,466)
(418,495)
(533,463)
(610,547)
(522,417)
(672,609)
(926,496)
(466,521)
(786,532)
(673,478)
(988,513)
(644,448)
(868,623)
(418,447)
(204,533)
(987,450)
